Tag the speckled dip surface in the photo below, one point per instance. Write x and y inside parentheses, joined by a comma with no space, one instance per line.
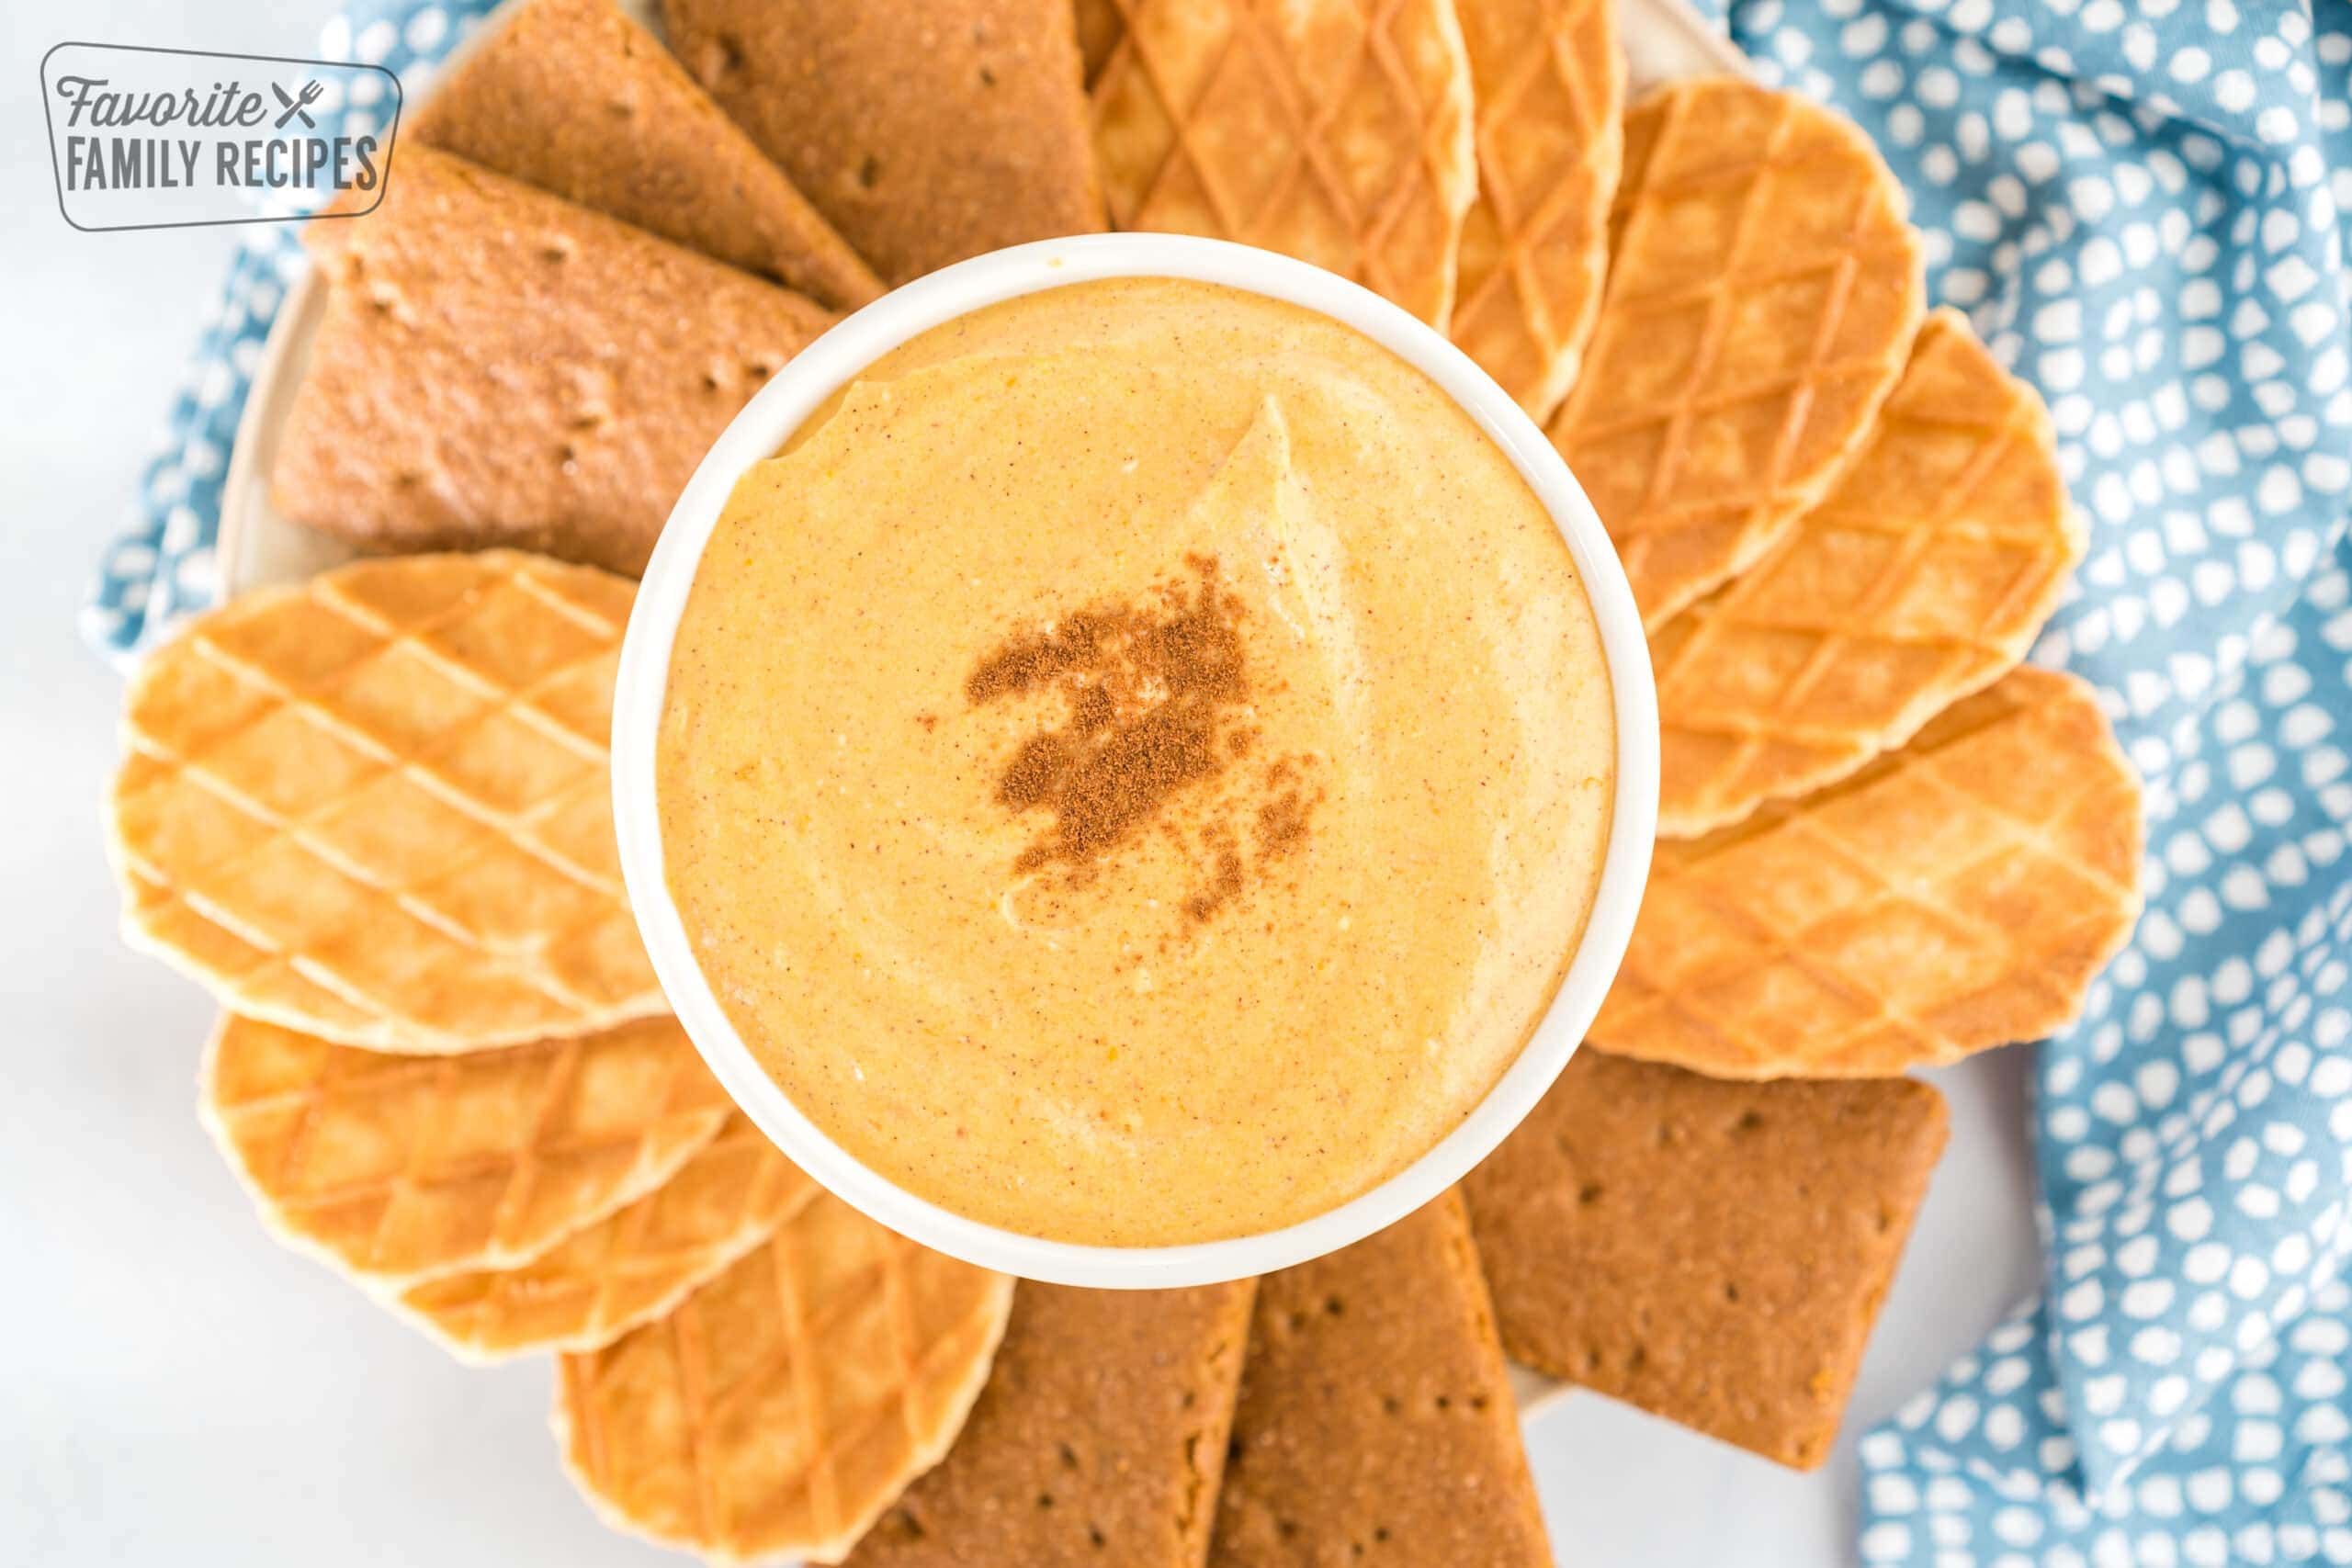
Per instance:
(1135,767)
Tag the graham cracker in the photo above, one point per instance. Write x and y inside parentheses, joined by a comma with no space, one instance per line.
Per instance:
(1712,1252)
(574,97)
(499,365)
(926,131)
(1099,1438)
(1377,1422)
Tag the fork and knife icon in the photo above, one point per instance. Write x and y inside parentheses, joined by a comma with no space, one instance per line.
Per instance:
(297,108)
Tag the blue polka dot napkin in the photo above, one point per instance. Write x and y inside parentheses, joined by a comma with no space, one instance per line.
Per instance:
(161,566)
(2143,208)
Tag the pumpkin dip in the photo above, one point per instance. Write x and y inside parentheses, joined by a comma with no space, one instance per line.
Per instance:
(1135,767)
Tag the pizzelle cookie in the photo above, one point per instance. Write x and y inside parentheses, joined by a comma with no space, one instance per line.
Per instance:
(629,1267)
(1764,285)
(927,132)
(496,365)
(781,1407)
(1376,1418)
(1926,573)
(1956,895)
(1715,1253)
(1099,1440)
(575,99)
(1338,131)
(400,1169)
(376,805)
(1550,76)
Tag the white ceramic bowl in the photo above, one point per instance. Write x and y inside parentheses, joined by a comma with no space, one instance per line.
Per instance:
(781,407)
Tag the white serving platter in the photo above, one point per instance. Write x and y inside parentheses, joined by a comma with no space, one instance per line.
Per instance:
(258,545)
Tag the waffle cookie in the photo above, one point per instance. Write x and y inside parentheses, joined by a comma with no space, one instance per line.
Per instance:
(927,131)
(1550,77)
(631,1266)
(1376,1421)
(1956,895)
(1715,1253)
(496,365)
(573,97)
(786,1402)
(1099,1438)
(400,1169)
(1764,286)
(375,806)
(1338,131)
(1926,575)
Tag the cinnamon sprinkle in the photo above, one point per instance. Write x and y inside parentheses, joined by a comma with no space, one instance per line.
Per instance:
(1156,701)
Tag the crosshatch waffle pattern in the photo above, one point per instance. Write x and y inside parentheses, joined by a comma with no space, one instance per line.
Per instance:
(1957,895)
(376,806)
(1763,290)
(1926,573)
(1550,78)
(398,1168)
(789,1402)
(629,1267)
(1338,131)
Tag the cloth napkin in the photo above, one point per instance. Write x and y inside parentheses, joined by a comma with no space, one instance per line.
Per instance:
(160,568)
(2143,208)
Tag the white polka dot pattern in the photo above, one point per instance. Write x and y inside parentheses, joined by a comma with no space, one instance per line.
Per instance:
(2140,204)
(2140,208)
(160,568)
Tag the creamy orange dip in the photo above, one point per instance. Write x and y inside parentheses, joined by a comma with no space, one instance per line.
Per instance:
(1137,765)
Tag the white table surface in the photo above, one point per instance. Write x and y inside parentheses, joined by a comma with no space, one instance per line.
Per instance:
(174,1388)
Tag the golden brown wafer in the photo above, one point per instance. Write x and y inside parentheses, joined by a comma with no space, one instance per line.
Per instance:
(497,365)
(1376,1421)
(784,1404)
(1763,289)
(1957,895)
(1712,1252)
(577,99)
(1099,1438)
(927,132)
(400,1169)
(376,805)
(1926,575)
(1338,131)
(1550,76)
(629,1267)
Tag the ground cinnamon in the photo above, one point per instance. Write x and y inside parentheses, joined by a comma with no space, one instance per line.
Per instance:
(1157,706)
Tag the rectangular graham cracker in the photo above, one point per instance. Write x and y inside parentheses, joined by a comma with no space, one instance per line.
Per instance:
(573,97)
(1376,1423)
(1099,1438)
(1714,1252)
(497,365)
(927,131)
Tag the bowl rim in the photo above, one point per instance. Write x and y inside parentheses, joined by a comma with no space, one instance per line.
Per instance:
(782,406)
